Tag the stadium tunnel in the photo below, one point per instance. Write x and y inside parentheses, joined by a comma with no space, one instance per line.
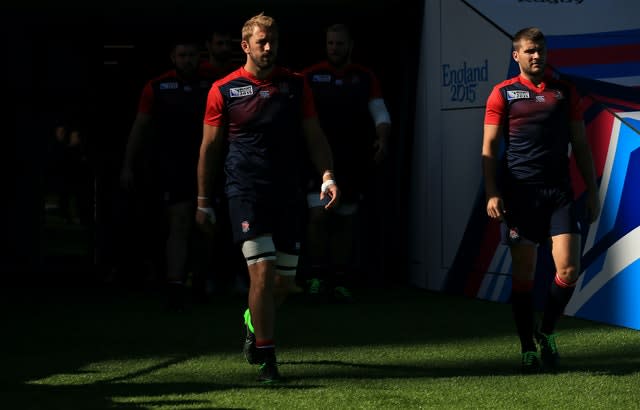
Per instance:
(90,63)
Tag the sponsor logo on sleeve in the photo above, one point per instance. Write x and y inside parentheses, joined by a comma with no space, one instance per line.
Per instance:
(321,78)
(169,86)
(241,91)
(517,95)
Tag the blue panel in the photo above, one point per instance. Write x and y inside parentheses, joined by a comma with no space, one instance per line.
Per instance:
(490,286)
(603,70)
(617,302)
(594,268)
(628,141)
(609,38)
(506,291)
(629,212)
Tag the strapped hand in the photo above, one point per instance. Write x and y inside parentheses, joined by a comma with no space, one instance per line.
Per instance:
(209,212)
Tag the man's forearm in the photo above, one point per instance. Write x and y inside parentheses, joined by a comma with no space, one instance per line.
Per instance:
(489,166)
(322,158)
(206,173)
(134,144)
(319,149)
(208,162)
(383,130)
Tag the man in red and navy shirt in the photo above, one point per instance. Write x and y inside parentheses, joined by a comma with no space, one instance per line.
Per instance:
(260,120)
(353,114)
(168,127)
(219,60)
(538,118)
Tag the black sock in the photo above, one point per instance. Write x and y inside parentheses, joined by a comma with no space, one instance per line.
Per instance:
(557,299)
(175,295)
(341,277)
(523,315)
(266,349)
(318,271)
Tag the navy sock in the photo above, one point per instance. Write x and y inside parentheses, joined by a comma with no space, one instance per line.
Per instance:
(523,315)
(266,348)
(523,312)
(557,299)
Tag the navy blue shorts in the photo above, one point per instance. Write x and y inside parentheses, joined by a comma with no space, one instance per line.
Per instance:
(251,218)
(536,213)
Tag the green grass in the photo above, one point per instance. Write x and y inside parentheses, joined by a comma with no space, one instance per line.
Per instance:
(395,349)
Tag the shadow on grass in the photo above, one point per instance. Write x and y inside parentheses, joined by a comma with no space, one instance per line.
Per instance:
(59,333)
(114,395)
(599,363)
(312,374)
(112,392)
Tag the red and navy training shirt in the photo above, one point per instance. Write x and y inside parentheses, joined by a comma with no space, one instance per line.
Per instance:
(176,107)
(342,101)
(263,120)
(537,127)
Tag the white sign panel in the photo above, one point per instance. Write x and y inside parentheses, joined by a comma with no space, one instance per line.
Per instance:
(555,17)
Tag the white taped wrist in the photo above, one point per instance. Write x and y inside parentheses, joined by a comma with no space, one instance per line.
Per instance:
(326,184)
(210,212)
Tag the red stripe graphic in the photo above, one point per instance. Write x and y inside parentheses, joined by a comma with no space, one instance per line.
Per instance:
(567,57)
(628,105)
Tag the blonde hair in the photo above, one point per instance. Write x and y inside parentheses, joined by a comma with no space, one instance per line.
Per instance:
(261,21)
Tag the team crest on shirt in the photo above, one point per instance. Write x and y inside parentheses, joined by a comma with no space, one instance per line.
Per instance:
(264,94)
(245,226)
(540,98)
(169,86)
(241,91)
(514,236)
(321,78)
(559,95)
(517,95)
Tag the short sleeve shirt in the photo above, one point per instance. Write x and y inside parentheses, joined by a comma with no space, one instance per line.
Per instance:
(342,100)
(537,127)
(176,106)
(263,122)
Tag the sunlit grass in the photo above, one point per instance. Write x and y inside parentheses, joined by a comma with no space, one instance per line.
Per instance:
(399,349)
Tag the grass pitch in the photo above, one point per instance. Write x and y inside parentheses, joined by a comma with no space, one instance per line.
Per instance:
(394,349)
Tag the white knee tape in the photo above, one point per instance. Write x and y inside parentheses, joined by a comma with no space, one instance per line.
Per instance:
(259,249)
(286,264)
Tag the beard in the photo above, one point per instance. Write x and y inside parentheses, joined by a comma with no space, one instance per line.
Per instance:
(264,62)
(536,70)
(338,60)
